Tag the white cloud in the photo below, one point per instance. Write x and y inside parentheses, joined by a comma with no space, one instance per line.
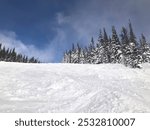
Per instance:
(10,40)
(86,18)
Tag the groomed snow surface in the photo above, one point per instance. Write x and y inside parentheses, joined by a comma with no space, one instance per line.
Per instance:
(73,88)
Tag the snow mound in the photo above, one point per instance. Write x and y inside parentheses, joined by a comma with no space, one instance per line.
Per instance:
(73,88)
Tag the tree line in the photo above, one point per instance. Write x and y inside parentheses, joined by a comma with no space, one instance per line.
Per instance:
(10,55)
(123,48)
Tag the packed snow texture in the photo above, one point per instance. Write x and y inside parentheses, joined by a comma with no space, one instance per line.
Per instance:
(73,88)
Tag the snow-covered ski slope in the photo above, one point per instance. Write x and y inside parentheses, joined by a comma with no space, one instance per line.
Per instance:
(73,88)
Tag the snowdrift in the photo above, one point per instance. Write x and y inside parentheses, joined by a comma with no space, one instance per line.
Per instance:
(73,88)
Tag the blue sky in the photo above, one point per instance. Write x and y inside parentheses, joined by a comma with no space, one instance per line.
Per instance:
(46,28)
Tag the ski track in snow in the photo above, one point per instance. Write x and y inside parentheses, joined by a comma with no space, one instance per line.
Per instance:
(73,88)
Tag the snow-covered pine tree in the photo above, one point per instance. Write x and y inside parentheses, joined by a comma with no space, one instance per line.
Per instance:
(124,39)
(13,55)
(3,54)
(72,55)
(111,50)
(88,55)
(92,51)
(132,37)
(145,49)
(69,56)
(105,48)
(124,45)
(99,49)
(86,58)
(78,53)
(92,43)
(10,55)
(82,57)
(132,56)
(115,48)
(135,57)
(64,60)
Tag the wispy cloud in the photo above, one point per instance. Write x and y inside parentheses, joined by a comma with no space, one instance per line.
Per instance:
(10,40)
(86,18)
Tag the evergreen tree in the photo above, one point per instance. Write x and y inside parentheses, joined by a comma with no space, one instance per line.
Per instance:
(105,48)
(99,49)
(100,39)
(145,49)
(86,58)
(9,55)
(70,57)
(13,55)
(75,54)
(73,47)
(78,51)
(92,51)
(112,50)
(115,48)
(132,37)
(124,39)
(125,45)
(82,56)
(65,58)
